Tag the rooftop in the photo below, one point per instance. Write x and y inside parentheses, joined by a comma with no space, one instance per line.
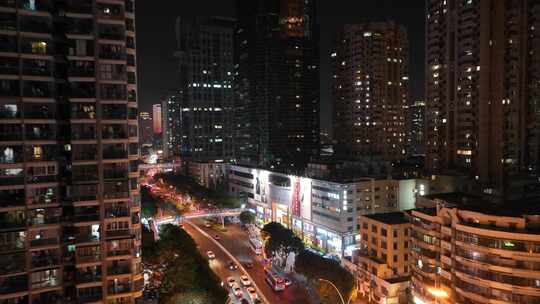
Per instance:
(390,218)
(529,206)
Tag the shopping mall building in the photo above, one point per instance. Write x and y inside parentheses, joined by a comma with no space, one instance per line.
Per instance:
(324,213)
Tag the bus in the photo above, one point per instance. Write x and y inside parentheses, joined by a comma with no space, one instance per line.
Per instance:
(255,245)
(276,282)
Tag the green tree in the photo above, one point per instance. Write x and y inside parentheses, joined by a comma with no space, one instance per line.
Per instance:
(185,272)
(148,203)
(247,217)
(280,241)
(326,269)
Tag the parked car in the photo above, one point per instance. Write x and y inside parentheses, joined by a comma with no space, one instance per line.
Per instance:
(216,237)
(248,264)
(237,290)
(210,254)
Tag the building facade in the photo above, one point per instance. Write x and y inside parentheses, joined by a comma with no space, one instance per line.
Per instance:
(370,90)
(211,175)
(145,129)
(465,250)
(200,112)
(482,73)
(157,121)
(384,257)
(324,212)
(277,81)
(69,193)
(416,127)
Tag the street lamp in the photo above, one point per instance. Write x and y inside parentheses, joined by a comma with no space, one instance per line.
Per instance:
(339,293)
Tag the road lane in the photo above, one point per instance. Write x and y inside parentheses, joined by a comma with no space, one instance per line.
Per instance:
(235,240)
(220,264)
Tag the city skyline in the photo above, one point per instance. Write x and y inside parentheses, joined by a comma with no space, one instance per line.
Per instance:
(160,63)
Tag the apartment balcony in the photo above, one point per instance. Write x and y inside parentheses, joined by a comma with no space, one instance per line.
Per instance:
(83,111)
(112,52)
(111,174)
(90,275)
(114,153)
(79,7)
(90,298)
(82,90)
(12,263)
(114,112)
(117,211)
(10,111)
(39,111)
(7,3)
(31,5)
(114,132)
(81,69)
(41,179)
(9,88)
(12,220)
(80,26)
(9,66)
(44,258)
(47,220)
(47,241)
(15,243)
(123,233)
(11,155)
(35,24)
(119,270)
(111,32)
(110,11)
(87,132)
(113,92)
(86,238)
(118,252)
(36,47)
(14,284)
(84,152)
(83,193)
(119,289)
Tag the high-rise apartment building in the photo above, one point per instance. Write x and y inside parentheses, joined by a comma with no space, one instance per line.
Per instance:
(465,250)
(370,90)
(415,127)
(482,75)
(69,198)
(199,114)
(157,122)
(145,128)
(277,81)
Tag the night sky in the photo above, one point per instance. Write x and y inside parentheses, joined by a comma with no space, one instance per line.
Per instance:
(156,40)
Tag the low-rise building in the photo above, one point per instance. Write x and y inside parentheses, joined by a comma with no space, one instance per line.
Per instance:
(383,259)
(468,250)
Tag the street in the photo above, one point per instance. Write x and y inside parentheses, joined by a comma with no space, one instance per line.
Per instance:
(235,241)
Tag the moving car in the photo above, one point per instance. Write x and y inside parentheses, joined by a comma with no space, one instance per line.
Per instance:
(232,265)
(287,282)
(252,293)
(237,290)
(216,237)
(245,280)
(248,264)
(231,281)
(207,225)
(210,254)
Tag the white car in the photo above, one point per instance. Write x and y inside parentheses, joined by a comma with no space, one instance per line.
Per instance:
(210,254)
(231,281)
(237,290)
(252,293)
(245,281)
